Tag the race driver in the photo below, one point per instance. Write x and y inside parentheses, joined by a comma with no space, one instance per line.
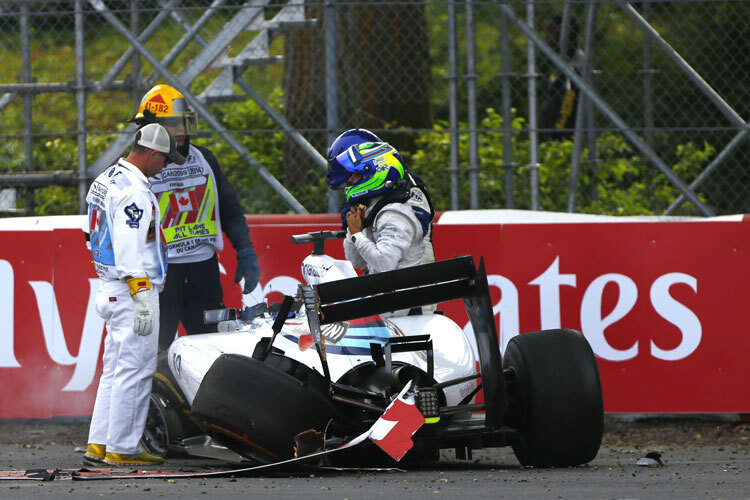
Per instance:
(383,232)
(197,203)
(420,198)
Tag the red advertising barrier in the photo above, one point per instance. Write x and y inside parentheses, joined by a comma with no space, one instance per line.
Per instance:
(661,303)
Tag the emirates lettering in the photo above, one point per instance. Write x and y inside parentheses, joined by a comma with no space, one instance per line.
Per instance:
(593,320)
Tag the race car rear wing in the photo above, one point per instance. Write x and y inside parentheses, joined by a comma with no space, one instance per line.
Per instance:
(412,287)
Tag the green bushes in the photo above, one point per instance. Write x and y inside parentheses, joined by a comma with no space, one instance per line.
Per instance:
(620,183)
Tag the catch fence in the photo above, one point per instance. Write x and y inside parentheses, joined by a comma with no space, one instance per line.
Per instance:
(597,106)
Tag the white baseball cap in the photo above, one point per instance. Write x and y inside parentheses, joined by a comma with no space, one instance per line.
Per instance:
(158,138)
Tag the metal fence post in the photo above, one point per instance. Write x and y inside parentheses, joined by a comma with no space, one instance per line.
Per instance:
(471,78)
(575,160)
(136,59)
(332,94)
(533,132)
(81,107)
(453,102)
(507,118)
(588,75)
(564,29)
(28,144)
(648,78)
(575,167)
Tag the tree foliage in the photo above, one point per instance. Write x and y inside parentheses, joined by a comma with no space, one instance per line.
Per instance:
(621,182)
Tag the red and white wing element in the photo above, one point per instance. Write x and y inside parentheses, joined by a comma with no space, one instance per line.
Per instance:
(392,432)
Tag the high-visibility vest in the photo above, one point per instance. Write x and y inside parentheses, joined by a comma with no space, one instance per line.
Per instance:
(189,206)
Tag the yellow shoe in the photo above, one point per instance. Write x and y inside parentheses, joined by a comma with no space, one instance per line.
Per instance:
(95,452)
(139,458)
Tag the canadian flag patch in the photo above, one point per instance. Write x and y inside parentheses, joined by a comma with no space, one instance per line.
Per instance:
(392,432)
(183,201)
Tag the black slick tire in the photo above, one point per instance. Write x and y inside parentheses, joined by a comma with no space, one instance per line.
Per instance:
(556,398)
(256,408)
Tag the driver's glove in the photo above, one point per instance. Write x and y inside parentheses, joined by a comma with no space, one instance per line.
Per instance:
(344,210)
(143,309)
(247,267)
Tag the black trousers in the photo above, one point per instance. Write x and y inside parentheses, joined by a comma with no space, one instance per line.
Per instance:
(190,289)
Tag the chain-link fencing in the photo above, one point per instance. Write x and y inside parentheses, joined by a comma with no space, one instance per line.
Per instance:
(599,106)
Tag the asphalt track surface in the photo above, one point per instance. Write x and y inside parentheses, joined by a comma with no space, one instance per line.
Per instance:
(691,470)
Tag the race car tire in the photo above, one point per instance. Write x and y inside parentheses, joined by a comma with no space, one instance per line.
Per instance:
(168,421)
(556,398)
(256,408)
(162,428)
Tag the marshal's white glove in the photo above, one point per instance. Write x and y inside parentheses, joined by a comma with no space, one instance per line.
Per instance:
(143,314)
(143,309)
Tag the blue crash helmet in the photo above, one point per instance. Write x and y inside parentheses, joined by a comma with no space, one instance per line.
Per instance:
(343,142)
(376,162)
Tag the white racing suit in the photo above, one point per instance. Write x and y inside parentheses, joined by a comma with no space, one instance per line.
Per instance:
(126,241)
(420,204)
(393,241)
(423,211)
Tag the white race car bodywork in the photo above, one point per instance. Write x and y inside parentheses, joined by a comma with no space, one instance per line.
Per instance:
(347,343)
(190,357)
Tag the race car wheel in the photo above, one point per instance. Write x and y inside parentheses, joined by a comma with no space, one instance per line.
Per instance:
(256,408)
(168,421)
(555,398)
(162,426)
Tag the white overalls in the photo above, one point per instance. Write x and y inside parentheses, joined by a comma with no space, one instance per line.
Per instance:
(126,241)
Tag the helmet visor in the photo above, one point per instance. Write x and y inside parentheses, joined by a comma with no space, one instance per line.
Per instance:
(341,168)
(359,158)
(337,178)
(181,125)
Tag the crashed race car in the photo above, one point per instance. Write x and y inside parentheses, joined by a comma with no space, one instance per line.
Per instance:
(322,367)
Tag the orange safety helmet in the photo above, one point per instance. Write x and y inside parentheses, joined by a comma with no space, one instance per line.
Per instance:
(167,106)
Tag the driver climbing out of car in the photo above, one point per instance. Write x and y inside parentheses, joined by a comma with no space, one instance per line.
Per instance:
(419,200)
(383,232)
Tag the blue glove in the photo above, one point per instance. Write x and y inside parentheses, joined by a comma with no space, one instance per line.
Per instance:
(247,267)
(344,210)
